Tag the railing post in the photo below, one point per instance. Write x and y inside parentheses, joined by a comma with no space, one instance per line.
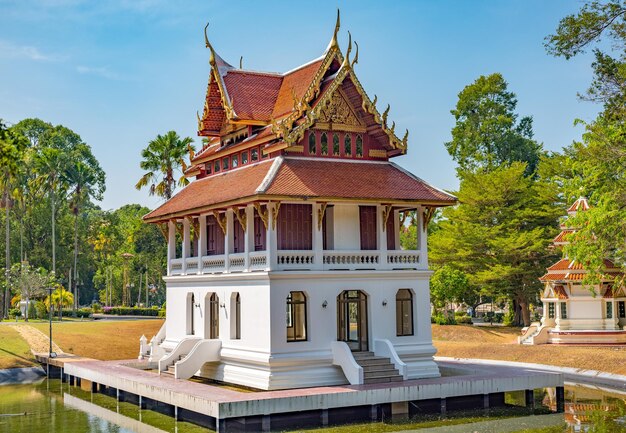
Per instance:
(201,242)
(381,228)
(186,244)
(171,245)
(249,241)
(318,237)
(228,239)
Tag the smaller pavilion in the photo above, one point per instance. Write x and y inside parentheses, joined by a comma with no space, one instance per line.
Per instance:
(574,312)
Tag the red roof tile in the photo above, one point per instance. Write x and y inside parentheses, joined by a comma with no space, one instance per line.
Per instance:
(552,277)
(298,80)
(252,94)
(560,238)
(580,204)
(560,292)
(356,180)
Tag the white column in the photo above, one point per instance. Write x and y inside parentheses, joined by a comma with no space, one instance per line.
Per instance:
(201,241)
(228,239)
(186,244)
(317,237)
(270,239)
(171,245)
(381,234)
(422,237)
(397,228)
(249,240)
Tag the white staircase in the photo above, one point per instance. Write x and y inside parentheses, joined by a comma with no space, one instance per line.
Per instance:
(377,369)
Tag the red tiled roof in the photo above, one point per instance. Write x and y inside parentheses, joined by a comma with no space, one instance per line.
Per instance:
(252,94)
(552,277)
(560,292)
(609,292)
(303,177)
(560,238)
(356,180)
(298,80)
(580,204)
(561,265)
(215,189)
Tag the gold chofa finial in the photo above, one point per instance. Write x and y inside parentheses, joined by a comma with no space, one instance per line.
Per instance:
(346,60)
(209,46)
(333,42)
(241,62)
(356,56)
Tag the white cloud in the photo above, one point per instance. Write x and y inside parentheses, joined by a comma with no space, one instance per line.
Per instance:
(103,72)
(11,50)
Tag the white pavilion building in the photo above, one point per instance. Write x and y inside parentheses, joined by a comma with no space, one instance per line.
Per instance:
(573,312)
(284,262)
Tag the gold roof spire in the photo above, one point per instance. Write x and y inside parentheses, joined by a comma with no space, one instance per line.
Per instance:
(333,41)
(209,46)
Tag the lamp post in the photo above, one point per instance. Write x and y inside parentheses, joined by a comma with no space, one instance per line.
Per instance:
(51,354)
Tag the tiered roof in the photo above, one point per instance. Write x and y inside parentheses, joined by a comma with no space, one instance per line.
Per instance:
(267,114)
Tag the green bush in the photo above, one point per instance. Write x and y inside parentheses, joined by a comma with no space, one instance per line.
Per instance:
(96,307)
(492,317)
(161,313)
(460,313)
(81,313)
(508,318)
(132,311)
(41,309)
(14,312)
(32,312)
(464,320)
(441,319)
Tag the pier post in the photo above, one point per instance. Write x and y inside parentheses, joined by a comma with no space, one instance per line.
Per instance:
(265,423)
(142,403)
(220,425)
(324,417)
(560,399)
(443,406)
(529,398)
(71,380)
(486,405)
(374,412)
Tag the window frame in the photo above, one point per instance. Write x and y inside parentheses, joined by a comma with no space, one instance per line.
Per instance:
(401,305)
(293,319)
(313,143)
(563,310)
(347,145)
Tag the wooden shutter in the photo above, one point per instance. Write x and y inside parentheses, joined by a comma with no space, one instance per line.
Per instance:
(367,215)
(215,237)
(295,225)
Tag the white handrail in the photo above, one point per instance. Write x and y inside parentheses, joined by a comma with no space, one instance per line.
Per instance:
(342,356)
(182,348)
(385,349)
(156,351)
(203,351)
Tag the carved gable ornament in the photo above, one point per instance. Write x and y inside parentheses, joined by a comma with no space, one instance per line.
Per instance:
(337,114)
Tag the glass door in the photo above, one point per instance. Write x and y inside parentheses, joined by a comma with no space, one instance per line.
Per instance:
(352,319)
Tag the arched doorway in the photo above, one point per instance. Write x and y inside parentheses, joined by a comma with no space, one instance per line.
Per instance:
(352,319)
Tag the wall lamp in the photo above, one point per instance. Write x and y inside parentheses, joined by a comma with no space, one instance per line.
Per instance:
(324,304)
(384,302)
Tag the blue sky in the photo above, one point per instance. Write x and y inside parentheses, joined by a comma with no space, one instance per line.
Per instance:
(120,72)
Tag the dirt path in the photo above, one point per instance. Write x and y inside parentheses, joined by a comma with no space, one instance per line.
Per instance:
(37,340)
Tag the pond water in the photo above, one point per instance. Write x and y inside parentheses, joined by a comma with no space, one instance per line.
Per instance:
(51,406)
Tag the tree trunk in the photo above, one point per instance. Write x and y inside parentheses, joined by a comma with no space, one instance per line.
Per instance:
(75,259)
(54,251)
(525,313)
(8,257)
(26,309)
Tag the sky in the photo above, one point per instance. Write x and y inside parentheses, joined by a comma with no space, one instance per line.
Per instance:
(120,72)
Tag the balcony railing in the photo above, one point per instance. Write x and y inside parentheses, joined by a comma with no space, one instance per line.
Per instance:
(298,260)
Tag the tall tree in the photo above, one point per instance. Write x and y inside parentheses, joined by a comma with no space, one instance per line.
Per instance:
(161,159)
(499,234)
(12,146)
(30,282)
(85,180)
(487,132)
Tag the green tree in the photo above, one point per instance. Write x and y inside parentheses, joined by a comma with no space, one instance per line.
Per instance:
(161,159)
(12,146)
(449,285)
(29,282)
(487,132)
(60,298)
(498,235)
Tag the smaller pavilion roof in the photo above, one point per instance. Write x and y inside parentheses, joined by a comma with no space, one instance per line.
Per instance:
(579,205)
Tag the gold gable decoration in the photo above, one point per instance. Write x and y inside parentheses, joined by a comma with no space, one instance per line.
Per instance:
(338,114)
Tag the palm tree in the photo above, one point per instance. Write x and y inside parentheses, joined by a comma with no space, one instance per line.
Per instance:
(61,298)
(163,156)
(85,179)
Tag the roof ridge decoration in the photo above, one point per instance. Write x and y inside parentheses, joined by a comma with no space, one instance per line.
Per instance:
(219,68)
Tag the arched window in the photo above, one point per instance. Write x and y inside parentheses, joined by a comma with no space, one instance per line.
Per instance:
(312,143)
(335,144)
(296,316)
(324,143)
(404,312)
(235,330)
(359,146)
(214,303)
(347,145)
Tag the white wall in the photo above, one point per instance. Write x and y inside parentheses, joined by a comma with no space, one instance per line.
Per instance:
(585,309)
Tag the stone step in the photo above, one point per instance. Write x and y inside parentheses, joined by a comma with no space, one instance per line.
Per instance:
(383,379)
(373,361)
(380,374)
(168,372)
(378,367)
(359,355)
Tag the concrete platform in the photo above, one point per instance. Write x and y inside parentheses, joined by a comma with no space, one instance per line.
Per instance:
(464,385)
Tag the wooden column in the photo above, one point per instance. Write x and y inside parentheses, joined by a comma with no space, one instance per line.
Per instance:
(171,245)
(201,241)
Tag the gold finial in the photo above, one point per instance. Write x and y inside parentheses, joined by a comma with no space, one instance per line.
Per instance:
(405,139)
(333,42)
(199,121)
(385,114)
(209,46)
(375,100)
(356,56)
(346,60)
(241,62)
(393,127)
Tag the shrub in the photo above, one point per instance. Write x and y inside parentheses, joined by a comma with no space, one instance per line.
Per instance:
(490,317)
(464,320)
(32,312)
(96,307)
(460,313)
(41,309)
(161,313)
(80,313)
(131,311)
(441,319)
(14,312)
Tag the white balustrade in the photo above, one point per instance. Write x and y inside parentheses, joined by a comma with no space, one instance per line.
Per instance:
(258,261)
(237,262)
(351,260)
(403,259)
(299,260)
(213,264)
(295,259)
(176,266)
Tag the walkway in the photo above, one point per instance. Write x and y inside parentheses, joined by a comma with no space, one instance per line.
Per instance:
(37,340)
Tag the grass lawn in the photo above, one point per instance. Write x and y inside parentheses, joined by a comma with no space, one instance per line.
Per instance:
(14,352)
(105,340)
(466,341)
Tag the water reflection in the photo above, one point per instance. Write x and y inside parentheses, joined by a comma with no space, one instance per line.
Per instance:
(52,406)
